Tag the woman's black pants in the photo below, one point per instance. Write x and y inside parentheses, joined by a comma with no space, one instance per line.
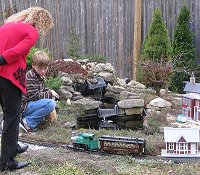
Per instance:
(10,100)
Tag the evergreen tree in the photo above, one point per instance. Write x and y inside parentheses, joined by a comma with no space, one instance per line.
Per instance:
(183,50)
(157,44)
(156,54)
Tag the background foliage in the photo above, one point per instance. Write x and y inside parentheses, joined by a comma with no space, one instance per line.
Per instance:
(156,54)
(184,60)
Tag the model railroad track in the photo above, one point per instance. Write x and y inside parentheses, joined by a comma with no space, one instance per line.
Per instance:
(67,146)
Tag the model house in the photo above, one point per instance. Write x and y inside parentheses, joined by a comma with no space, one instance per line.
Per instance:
(181,142)
(192,87)
(191,106)
(191,100)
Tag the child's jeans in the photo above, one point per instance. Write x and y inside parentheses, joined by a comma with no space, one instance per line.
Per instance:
(36,111)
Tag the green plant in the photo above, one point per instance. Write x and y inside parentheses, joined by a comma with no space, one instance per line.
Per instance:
(155,66)
(29,57)
(157,44)
(156,121)
(74,45)
(70,67)
(53,83)
(95,58)
(154,124)
(183,50)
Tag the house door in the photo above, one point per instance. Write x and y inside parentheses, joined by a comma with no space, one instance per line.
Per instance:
(198,114)
(195,113)
(189,112)
(194,148)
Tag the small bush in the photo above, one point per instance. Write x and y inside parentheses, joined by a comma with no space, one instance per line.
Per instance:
(53,83)
(156,121)
(153,124)
(70,67)
(95,58)
(29,57)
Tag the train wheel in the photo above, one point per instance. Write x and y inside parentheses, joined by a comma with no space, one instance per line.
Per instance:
(85,147)
(75,147)
(140,154)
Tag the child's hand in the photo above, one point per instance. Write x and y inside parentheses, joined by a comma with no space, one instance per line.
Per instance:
(54,94)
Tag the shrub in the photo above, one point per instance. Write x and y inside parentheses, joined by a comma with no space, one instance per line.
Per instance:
(73,45)
(95,58)
(156,121)
(53,83)
(29,57)
(183,51)
(70,67)
(155,66)
(157,44)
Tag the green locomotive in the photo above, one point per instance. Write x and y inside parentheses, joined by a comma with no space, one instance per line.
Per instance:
(86,141)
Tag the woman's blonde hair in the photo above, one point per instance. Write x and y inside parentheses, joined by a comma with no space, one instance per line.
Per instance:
(40,59)
(36,16)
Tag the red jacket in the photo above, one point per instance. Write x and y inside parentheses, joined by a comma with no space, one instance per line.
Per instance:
(16,39)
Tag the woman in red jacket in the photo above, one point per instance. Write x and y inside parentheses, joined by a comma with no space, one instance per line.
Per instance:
(19,33)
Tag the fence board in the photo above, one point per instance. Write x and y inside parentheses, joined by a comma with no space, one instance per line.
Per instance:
(104,27)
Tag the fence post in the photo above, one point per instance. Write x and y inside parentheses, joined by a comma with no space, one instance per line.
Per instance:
(137,36)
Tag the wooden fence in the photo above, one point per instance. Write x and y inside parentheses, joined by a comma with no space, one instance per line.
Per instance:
(103,27)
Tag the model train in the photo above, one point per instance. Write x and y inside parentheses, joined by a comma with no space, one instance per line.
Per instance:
(109,144)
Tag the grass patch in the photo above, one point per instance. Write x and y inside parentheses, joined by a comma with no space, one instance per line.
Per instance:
(66,162)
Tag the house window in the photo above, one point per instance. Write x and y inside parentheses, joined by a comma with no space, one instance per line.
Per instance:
(184,101)
(171,146)
(188,102)
(184,111)
(182,147)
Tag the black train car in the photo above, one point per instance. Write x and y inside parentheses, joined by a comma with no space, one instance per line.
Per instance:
(122,145)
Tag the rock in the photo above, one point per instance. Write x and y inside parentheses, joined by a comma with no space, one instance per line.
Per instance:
(68,102)
(110,94)
(88,104)
(100,67)
(115,89)
(136,84)
(64,93)
(131,103)
(121,82)
(91,65)
(132,111)
(107,76)
(83,61)
(128,95)
(71,125)
(66,81)
(159,102)
(77,96)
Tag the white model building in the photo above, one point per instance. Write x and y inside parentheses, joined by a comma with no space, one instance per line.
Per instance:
(181,142)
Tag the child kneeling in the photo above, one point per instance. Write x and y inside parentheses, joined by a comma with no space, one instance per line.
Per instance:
(38,102)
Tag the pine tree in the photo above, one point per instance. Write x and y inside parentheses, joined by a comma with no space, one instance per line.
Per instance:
(156,54)
(183,50)
(157,44)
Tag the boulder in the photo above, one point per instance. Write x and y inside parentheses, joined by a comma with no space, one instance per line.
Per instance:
(88,104)
(132,111)
(131,103)
(159,102)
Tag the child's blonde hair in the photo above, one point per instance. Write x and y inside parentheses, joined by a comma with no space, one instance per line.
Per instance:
(36,16)
(40,59)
